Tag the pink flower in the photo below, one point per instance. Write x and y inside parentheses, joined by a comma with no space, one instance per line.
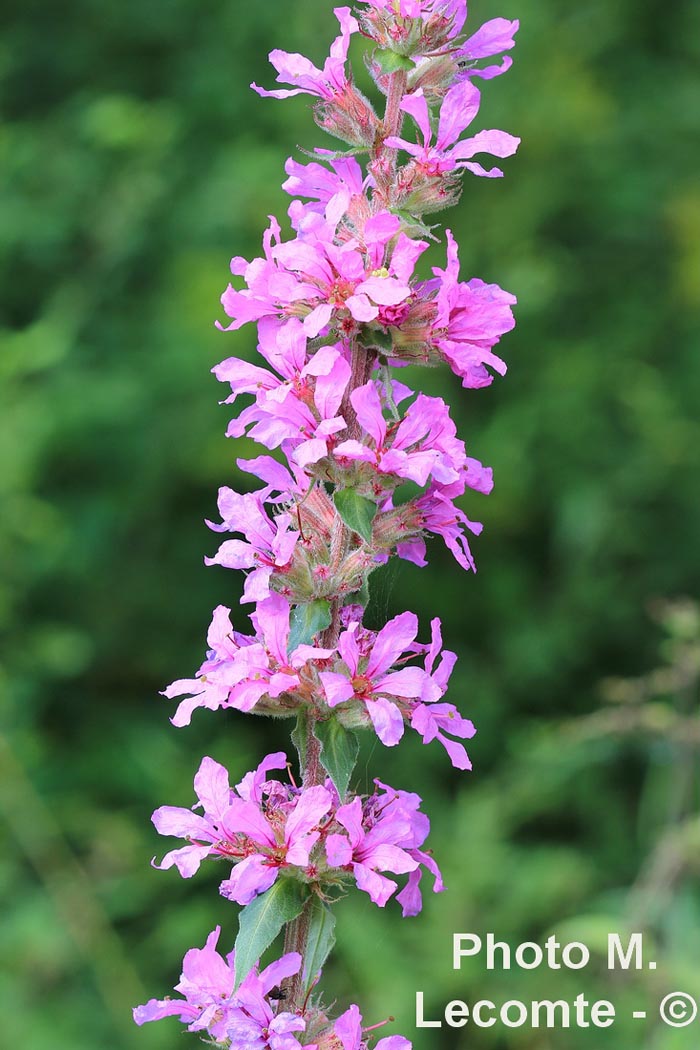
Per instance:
(438,514)
(436,721)
(421,446)
(322,282)
(206,983)
(327,83)
(241,671)
(282,833)
(471,318)
(227,665)
(371,673)
(301,413)
(392,23)
(383,834)
(368,853)
(366,675)
(268,547)
(334,189)
(246,1016)
(263,826)
(458,110)
(452,13)
(493,38)
(348,1029)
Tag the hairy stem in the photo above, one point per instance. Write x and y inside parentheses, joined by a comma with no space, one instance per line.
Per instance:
(393,117)
(312,772)
(383,163)
(362,363)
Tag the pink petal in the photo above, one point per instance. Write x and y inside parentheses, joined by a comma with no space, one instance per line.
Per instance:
(377,886)
(336,687)
(393,639)
(386,719)
(417,107)
(458,110)
(368,407)
(213,789)
(248,879)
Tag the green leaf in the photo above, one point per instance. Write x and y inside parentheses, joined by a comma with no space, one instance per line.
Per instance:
(262,919)
(357,512)
(321,939)
(378,339)
(392,62)
(300,736)
(307,621)
(339,751)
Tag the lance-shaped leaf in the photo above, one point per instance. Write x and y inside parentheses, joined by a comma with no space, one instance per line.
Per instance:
(339,751)
(307,621)
(262,919)
(392,62)
(320,940)
(357,512)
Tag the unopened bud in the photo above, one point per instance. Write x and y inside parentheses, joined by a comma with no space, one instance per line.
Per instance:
(435,76)
(349,117)
(421,191)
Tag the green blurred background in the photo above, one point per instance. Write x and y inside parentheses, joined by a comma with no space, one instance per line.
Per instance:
(135,162)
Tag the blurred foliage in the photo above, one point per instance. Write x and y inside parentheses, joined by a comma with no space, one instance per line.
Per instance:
(135,162)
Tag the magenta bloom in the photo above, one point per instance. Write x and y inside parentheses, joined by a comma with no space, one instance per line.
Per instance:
(471,318)
(218,681)
(333,189)
(444,21)
(384,834)
(299,403)
(240,671)
(302,414)
(327,83)
(277,846)
(438,514)
(210,1003)
(268,547)
(368,677)
(437,721)
(263,826)
(360,468)
(368,853)
(452,12)
(206,983)
(493,38)
(325,283)
(348,1029)
(459,109)
(255,1024)
(423,445)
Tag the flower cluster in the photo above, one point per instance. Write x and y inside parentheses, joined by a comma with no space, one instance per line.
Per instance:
(357,468)
(271,830)
(365,680)
(251,1015)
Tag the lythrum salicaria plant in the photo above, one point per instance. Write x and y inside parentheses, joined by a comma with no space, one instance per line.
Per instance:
(338,310)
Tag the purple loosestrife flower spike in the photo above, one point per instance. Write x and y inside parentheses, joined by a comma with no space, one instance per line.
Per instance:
(355,468)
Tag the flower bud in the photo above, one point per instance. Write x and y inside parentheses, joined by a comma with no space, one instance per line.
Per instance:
(435,76)
(413,341)
(392,31)
(349,117)
(421,192)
